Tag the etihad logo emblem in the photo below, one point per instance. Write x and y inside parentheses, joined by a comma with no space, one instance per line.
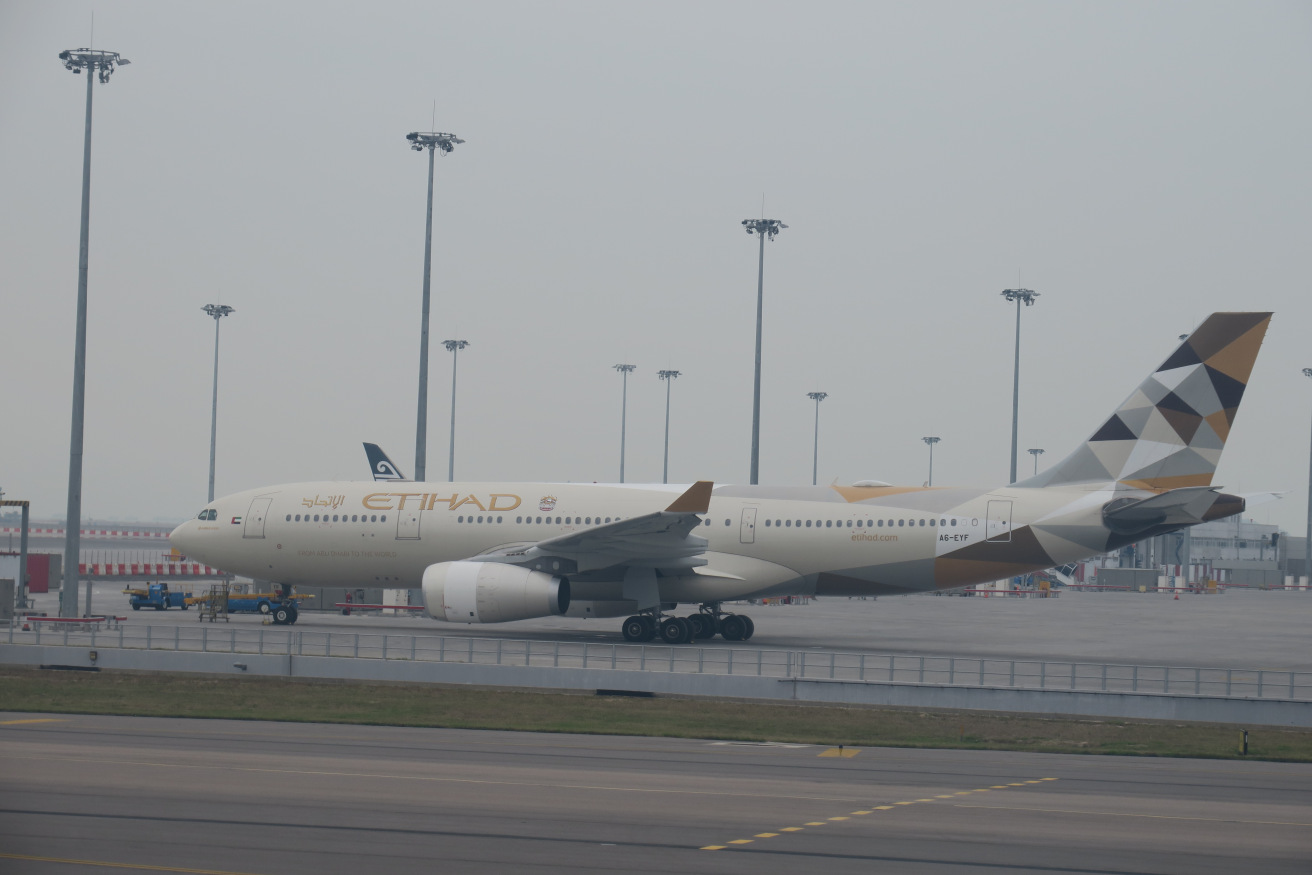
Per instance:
(548,504)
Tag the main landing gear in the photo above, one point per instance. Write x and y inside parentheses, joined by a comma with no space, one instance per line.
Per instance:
(706,623)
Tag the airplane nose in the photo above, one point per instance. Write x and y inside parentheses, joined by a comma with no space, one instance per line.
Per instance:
(182,538)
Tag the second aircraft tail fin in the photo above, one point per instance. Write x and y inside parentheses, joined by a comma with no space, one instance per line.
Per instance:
(382,467)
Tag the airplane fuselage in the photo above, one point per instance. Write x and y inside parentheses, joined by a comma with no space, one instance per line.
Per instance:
(762,541)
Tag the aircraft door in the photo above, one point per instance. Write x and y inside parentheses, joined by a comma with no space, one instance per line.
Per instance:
(254,522)
(747,528)
(998,523)
(407,524)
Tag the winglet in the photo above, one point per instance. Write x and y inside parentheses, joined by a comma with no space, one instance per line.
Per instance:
(696,500)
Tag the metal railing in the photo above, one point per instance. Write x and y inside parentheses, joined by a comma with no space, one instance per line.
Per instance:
(958,671)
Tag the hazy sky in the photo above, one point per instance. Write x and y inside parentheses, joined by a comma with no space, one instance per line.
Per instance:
(1138,164)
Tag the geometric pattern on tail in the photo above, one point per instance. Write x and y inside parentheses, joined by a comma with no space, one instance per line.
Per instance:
(1170,432)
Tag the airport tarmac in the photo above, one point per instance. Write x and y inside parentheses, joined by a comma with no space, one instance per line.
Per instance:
(88,794)
(1235,629)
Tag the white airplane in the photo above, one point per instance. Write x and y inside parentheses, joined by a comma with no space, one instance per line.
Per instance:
(493,552)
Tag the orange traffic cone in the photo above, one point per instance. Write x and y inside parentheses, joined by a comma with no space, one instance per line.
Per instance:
(1177,596)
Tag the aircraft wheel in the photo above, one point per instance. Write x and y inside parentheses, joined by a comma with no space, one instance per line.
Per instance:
(676,630)
(702,626)
(733,628)
(652,628)
(635,630)
(751,628)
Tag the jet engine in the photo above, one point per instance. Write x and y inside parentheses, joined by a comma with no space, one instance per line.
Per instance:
(491,592)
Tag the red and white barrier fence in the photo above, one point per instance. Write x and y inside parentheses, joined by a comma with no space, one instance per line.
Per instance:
(147,569)
(87,533)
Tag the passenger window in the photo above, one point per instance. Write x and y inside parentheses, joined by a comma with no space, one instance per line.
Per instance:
(460,519)
(829,524)
(901,523)
(849,524)
(374,518)
(334,517)
(498,519)
(383,518)
(808,524)
(954,521)
(767,524)
(726,522)
(557,520)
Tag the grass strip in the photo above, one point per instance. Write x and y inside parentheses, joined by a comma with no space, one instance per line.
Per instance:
(308,701)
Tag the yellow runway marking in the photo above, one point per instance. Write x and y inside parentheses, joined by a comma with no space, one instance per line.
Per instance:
(32,720)
(140,867)
(953,796)
(845,752)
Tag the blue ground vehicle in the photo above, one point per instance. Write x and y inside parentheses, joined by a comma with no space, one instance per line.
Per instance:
(157,596)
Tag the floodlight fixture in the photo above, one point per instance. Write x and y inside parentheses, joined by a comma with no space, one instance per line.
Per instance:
(453,347)
(1036,452)
(217,311)
(434,142)
(765,229)
(1026,297)
(669,377)
(104,62)
(931,440)
(624,370)
(817,397)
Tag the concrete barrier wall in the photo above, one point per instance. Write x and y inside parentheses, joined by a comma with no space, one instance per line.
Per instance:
(1148,706)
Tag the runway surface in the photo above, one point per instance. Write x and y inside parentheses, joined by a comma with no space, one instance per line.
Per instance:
(106,794)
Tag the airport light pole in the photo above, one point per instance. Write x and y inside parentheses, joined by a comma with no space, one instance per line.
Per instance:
(817,397)
(931,441)
(624,370)
(1307,556)
(1026,297)
(103,63)
(1036,452)
(433,142)
(218,311)
(763,228)
(454,347)
(669,378)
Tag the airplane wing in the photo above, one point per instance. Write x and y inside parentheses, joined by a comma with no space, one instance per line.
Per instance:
(659,540)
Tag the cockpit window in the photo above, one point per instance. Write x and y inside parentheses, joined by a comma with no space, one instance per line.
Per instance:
(208,513)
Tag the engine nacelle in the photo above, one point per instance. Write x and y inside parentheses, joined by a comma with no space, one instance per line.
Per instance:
(491,592)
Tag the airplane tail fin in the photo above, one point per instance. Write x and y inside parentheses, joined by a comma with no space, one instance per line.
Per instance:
(1170,432)
(382,467)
